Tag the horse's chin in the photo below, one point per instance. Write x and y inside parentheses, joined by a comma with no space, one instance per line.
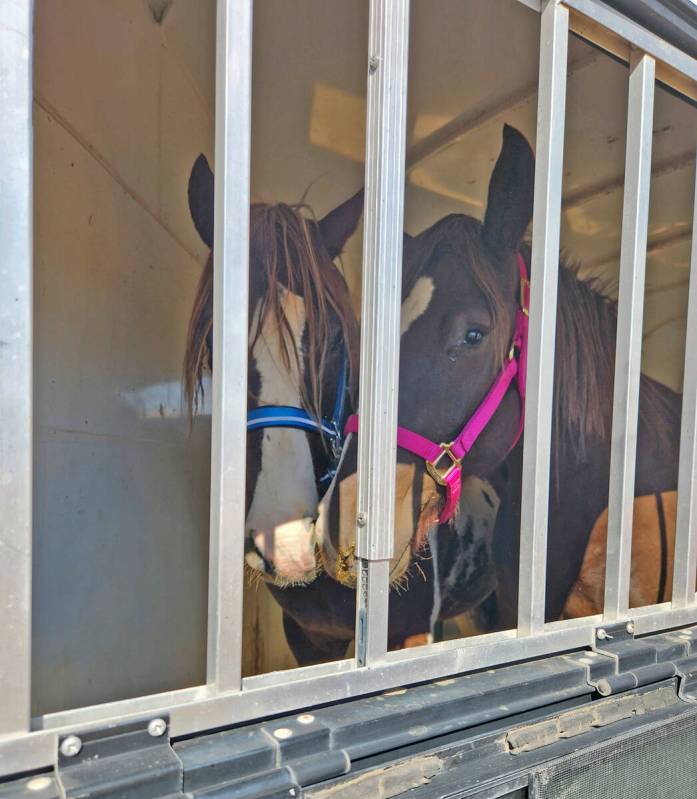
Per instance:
(343,566)
(258,572)
(339,560)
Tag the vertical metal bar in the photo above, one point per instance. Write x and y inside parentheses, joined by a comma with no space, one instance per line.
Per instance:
(15,364)
(382,286)
(630,312)
(551,110)
(230,312)
(685,560)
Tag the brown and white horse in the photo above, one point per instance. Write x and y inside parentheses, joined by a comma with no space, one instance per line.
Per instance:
(301,328)
(462,300)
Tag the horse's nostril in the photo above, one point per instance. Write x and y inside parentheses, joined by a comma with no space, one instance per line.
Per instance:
(268,566)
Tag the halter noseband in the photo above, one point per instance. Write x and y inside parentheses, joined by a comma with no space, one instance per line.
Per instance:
(300,419)
(444,461)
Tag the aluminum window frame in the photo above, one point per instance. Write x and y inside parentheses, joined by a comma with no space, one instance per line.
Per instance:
(227,698)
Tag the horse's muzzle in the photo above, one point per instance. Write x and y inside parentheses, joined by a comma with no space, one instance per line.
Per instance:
(287,555)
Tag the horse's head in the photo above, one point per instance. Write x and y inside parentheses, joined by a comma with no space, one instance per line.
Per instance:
(459,300)
(301,328)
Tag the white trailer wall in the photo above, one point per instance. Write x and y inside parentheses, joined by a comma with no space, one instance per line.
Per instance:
(122,107)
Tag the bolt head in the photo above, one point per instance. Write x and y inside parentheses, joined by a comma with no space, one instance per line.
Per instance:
(362,519)
(70,746)
(630,627)
(157,727)
(601,634)
(39,784)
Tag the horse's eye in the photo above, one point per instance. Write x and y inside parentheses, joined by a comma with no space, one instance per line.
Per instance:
(473,337)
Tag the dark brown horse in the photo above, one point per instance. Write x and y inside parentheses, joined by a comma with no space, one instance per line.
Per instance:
(462,288)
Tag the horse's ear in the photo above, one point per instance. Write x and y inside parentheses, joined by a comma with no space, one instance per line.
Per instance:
(509,205)
(340,224)
(201,193)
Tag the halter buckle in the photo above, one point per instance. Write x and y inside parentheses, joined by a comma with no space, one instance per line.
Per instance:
(524,295)
(440,475)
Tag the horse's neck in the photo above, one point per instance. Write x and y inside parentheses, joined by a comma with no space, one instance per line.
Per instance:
(586,334)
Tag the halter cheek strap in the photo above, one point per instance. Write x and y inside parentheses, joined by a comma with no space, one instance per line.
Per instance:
(300,419)
(444,461)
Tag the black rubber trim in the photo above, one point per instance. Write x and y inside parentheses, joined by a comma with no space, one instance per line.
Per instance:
(664,548)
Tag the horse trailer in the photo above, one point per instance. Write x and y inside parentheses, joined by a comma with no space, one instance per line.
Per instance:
(470,573)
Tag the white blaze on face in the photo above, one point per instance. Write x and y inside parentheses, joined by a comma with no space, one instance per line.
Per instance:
(416,303)
(285,496)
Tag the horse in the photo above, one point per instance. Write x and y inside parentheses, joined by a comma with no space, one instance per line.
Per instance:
(302,338)
(292,259)
(466,283)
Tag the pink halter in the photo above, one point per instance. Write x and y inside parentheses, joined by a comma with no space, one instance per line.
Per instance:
(444,461)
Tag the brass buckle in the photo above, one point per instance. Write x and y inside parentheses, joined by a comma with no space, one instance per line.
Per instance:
(524,283)
(440,476)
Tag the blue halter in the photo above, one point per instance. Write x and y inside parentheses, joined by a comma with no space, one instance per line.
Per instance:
(300,419)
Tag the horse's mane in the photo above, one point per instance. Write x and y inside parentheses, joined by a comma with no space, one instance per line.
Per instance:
(585,340)
(585,367)
(285,254)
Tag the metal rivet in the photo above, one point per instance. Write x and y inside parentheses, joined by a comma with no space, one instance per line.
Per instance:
(157,727)
(39,783)
(362,519)
(71,746)
(373,64)
(282,733)
(306,718)
(602,634)
(630,627)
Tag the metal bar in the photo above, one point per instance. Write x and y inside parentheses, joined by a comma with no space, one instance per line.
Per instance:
(154,703)
(372,610)
(685,559)
(535,5)
(554,36)
(637,36)
(662,617)
(382,286)
(630,311)
(15,365)
(229,390)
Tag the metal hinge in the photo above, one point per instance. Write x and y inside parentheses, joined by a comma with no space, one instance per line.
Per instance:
(636,662)
(267,760)
(124,760)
